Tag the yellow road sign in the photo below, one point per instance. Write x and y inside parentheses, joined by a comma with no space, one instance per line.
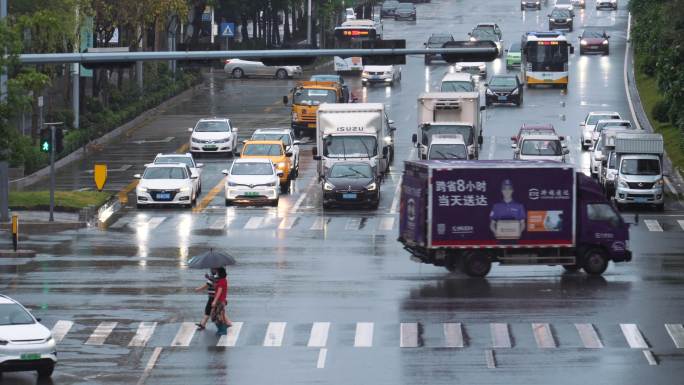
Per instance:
(15,224)
(100,176)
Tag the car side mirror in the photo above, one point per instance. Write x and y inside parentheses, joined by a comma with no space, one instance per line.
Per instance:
(199,165)
(480,140)
(514,146)
(224,172)
(482,108)
(486,84)
(514,139)
(390,122)
(279,173)
(235,129)
(582,124)
(190,129)
(195,176)
(137,176)
(288,154)
(561,138)
(286,100)
(392,129)
(354,99)
(607,36)
(296,143)
(572,49)
(566,151)
(414,138)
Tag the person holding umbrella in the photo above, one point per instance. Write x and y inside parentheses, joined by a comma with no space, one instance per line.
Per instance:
(219,305)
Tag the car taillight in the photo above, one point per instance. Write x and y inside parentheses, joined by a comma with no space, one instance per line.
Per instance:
(227,61)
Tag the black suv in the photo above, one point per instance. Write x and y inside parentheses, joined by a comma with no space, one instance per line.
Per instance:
(560,19)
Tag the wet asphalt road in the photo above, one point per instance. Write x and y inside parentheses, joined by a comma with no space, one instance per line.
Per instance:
(330,297)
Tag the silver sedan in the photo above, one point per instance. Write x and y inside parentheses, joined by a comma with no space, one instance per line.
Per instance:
(239,68)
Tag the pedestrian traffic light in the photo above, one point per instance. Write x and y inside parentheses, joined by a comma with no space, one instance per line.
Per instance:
(45,140)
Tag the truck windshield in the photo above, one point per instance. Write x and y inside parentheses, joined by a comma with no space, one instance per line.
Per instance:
(447,151)
(640,167)
(350,147)
(542,147)
(454,86)
(432,129)
(313,97)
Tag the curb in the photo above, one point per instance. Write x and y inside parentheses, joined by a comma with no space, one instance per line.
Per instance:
(46,226)
(19,184)
(17,254)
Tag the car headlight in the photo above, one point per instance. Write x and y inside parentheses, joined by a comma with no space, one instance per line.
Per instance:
(142,189)
(515,91)
(231,184)
(364,73)
(186,189)
(328,186)
(294,116)
(605,42)
(473,38)
(281,164)
(568,20)
(195,140)
(583,42)
(660,182)
(552,20)
(273,184)
(622,183)
(372,186)
(489,92)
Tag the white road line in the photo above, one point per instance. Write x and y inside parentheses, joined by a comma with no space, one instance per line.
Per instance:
(320,223)
(275,334)
(492,147)
(287,223)
(230,339)
(650,357)
(386,224)
(408,335)
(453,335)
(543,336)
(353,224)
(624,76)
(589,337)
(490,359)
(150,365)
(633,336)
(364,335)
(676,332)
(500,336)
(397,196)
(302,197)
(680,222)
(653,225)
(120,223)
(185,334)
(154,222)
(143,334)
(102,331)
(319,335)
(254,223)
(218,224)
(322,354)
(60,330)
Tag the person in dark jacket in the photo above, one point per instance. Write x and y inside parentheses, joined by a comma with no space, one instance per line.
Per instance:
(209,286)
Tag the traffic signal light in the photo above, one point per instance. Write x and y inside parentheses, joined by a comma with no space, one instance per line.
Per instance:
(46,140)
(470,57)
(382,60)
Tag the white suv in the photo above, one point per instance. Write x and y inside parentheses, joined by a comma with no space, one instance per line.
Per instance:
(213,135)
(25,344)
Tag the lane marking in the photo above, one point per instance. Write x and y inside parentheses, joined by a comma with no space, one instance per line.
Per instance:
(102,331)
(653,225)
(254,223)
(230,339)
(364,335)
(322,354)
(408,335)
(121,223)
(275,334)
(150,365)
(589,337)
(650,357)
(543,336)
(185,334)
(60,330)
(681,223)
(320,223)
(492,148)
(209,197)
(633,336)
(183,149)
(397,196)
(353,224)
(143,334)
(500,335)
(302,197)
(319,335)
(386,224)
(490,359)
(145,141)
(218,224)
(676,332)
(287,223)
(453,335)
(154,222)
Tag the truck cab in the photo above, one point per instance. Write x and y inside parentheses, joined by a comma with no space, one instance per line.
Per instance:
(305,99)
(639,169)
(447,147)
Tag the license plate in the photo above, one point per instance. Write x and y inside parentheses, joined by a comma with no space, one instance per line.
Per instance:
(349,196)
(640,200)
(165,196)
(212,147)
(29,356)
(311,125)
(251,194)
(502,98)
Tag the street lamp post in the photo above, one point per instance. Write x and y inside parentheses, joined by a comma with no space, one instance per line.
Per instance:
(308,24)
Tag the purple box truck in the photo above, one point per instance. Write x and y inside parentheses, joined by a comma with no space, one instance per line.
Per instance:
(467,214)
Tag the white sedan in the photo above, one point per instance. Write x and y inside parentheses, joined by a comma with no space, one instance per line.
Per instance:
(213,135)
(188,160)
(239,68)
(166,184)
(252,180)
(380,74)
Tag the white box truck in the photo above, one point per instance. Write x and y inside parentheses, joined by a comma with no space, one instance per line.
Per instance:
(353,131)
(449,113)
(639,160)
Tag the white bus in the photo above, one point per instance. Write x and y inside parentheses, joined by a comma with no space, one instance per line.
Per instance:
(545,57)
(351,35)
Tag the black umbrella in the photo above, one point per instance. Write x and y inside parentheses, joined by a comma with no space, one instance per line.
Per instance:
(211,259)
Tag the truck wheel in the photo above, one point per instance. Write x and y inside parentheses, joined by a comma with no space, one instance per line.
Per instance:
(595,262)
(285,187)
(477,265)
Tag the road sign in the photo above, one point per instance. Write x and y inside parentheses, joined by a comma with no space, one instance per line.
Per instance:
(100,176)
(227,29)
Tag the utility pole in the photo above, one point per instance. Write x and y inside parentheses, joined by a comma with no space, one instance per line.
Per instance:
(53,144)
(308,24)
(4,165)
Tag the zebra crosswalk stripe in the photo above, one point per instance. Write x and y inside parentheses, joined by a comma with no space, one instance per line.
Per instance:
(319,335)
(275,334)
(231,338)
(254,223)
(102,331)
(589,337)
(501,337)
(185,334)
(633,336)
(453,335)
(408,335)
(143,334)
(60,330)
(676,332)
(364,335)
(653,225)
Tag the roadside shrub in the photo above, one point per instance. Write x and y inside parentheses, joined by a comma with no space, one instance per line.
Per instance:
(661,111)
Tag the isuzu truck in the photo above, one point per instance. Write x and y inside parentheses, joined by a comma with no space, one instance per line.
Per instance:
(466,215)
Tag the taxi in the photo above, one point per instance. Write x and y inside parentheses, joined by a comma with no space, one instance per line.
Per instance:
(275,151)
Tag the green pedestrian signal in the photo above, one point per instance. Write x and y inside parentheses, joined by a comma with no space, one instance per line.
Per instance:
(45,147)
(45,140)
